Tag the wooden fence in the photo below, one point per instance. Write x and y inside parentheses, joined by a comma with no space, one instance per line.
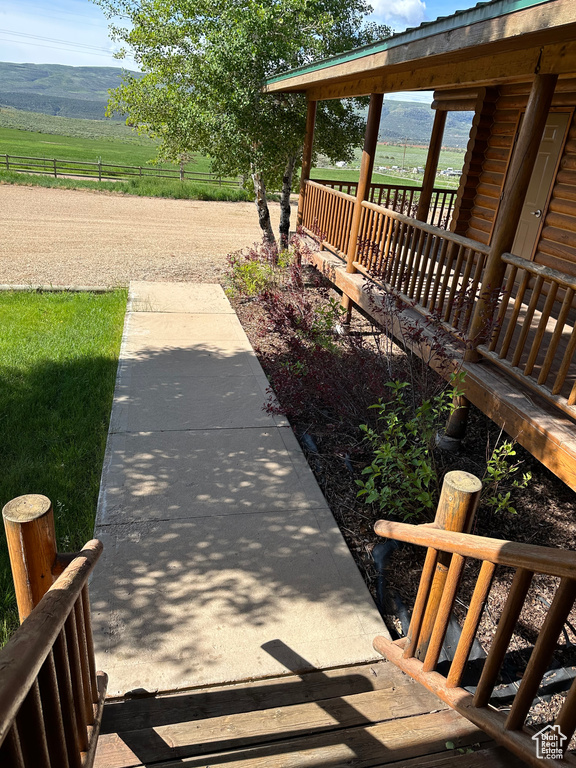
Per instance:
(418,653)
(105,171)
(51,697)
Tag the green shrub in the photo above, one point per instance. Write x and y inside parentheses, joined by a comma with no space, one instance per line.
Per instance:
(402,478)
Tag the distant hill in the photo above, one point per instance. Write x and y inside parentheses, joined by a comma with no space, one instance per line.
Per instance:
(412,121)
(55,89)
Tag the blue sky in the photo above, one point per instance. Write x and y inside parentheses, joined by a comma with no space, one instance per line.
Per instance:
(75,32)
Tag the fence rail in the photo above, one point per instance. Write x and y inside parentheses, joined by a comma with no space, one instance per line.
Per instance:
(104,171)
(534,338)
(418,656)
(51,697)
(402,198)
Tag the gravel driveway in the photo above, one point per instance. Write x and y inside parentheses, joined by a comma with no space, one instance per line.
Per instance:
(74,237)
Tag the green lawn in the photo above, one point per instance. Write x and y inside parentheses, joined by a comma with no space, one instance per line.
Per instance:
(58,358)
(146,187)
(120,150)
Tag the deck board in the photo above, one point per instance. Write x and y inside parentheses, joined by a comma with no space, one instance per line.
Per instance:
(360,716)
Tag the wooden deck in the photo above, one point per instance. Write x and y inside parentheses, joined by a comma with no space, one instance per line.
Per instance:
(366,715)
(537,424)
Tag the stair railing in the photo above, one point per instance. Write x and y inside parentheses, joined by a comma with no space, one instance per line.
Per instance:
(51,697)
(418,653)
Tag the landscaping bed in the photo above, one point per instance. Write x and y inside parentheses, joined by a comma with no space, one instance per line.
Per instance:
(326,383)
(58,360)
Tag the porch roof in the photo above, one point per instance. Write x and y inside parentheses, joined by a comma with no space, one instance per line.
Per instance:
(494,41)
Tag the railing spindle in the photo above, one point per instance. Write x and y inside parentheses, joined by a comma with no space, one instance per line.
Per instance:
(76,677)
(62,665)
(556,336)
(415,261)
(452,254)
(444,611)
(508,619)
(32,731)
(454,286)
(537,341)
(471,623)
(514,318)
(542,652)
(83,654)
(565,366)
(11,750)
(425,269)
(420,603)
(501,316)
(89,641)
(527,322)
(50,696)
(566,719)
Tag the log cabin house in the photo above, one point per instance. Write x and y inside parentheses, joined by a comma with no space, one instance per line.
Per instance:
(496,265)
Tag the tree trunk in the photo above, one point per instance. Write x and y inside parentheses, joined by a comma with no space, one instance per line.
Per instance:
(285,202)
(262,208)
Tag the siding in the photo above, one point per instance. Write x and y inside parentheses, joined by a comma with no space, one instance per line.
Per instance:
(485,170)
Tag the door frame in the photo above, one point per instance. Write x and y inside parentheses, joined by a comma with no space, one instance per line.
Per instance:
(567,110)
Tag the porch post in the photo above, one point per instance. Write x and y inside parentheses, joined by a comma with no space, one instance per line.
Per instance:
(431,165)
(363,190)
(515,187)
(306,158)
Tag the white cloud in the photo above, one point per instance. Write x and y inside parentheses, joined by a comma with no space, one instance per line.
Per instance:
(399,14)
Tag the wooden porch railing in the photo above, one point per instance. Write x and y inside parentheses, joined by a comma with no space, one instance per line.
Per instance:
(438,272)
(535,332)
(51,696)
(327,215)
(507,728)
(402,198)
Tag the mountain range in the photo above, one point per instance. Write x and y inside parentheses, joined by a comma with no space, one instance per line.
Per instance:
(82,92)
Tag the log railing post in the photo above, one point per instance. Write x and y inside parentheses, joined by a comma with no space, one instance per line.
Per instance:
(306,158)
(29,525)
(513,196)
(456,509)
(363,188)
(431,166)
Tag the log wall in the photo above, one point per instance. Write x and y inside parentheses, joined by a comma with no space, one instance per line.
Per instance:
(486,164)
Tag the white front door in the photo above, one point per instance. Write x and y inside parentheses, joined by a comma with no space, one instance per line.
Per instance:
(540,183)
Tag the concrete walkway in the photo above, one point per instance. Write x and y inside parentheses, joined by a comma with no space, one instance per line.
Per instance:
(222,561)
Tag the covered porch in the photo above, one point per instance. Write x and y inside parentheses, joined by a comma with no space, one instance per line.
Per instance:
(489,271)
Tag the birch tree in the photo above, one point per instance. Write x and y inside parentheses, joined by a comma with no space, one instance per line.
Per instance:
(203,65)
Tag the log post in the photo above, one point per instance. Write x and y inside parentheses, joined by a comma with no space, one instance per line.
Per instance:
(29,525)
(431,165)
(512,200)
(363,189)
(456,509)
(306,158)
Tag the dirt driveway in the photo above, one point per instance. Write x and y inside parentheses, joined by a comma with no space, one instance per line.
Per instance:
(73,237)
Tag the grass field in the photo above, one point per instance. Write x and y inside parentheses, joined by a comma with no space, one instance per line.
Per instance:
(120,150)
(28,134)
(58,358)
(151,187)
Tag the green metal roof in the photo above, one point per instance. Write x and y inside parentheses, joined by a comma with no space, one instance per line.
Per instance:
(480,12)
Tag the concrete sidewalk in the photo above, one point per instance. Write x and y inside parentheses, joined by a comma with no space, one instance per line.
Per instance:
(217,539)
